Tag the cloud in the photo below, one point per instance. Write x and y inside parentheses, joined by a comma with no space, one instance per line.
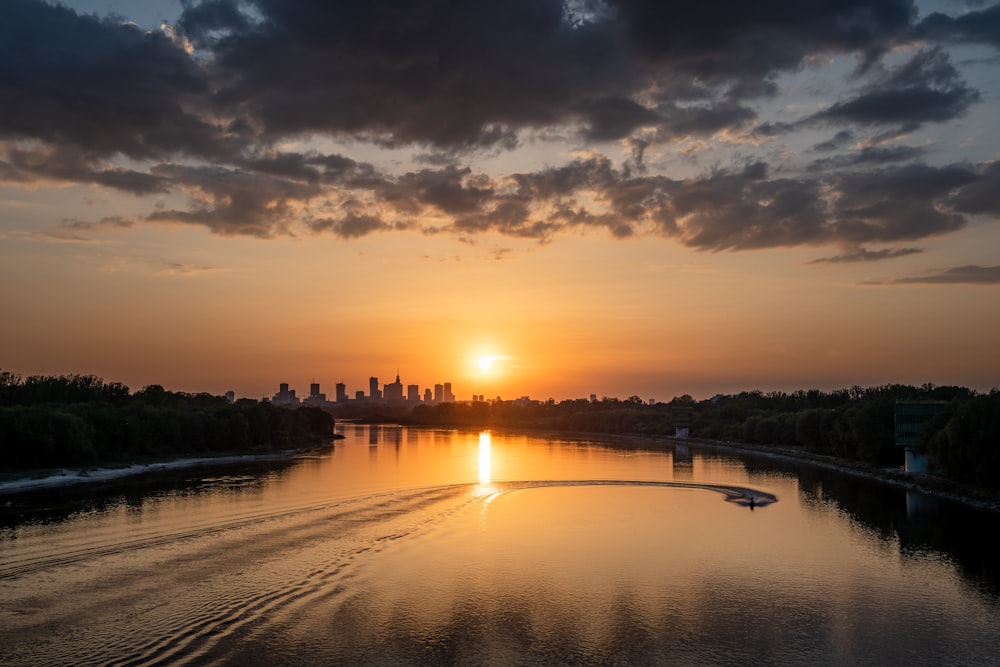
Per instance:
(184,269)
(869,155)
(234,202)
(218,108)
(113,221)
(970,274)
(974,26)
(864,255)
(102,86)
(448,74)
(71,164)
(981,197)
(927,88)
(350,225)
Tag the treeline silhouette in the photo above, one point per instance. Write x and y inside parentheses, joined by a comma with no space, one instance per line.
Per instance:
(856,424)
(82,420)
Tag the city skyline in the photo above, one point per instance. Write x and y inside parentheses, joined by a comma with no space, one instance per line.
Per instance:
(390,392)
(528,197)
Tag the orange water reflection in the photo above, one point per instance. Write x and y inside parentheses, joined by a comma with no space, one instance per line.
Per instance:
(410,546)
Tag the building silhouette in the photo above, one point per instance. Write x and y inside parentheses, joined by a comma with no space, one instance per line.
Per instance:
(285,396)
(394,390)
(315,396)
(910,418)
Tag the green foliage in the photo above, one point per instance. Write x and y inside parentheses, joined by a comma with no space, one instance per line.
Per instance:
(966,446)
(80,420)
(854,424)
(813,429)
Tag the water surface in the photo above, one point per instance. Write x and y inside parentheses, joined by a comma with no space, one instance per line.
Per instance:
(411,546)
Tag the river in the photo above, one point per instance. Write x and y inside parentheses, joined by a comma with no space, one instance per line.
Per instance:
(403,546)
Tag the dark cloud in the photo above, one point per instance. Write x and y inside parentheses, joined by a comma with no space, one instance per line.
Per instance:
(744,43)
(96,101)
(981,197)
(113,221)
(976,26)
(451,190)
(203,19)
(927,88)
(855,255)
(901,203)
(869,155)
(744,210)
(350,225)
(71,164)
(108,88)
(838,140)
(970,274)
(450,73)
(234,202)
(447,73)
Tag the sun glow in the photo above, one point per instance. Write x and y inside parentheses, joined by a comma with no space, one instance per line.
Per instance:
(485,363)
(485,472)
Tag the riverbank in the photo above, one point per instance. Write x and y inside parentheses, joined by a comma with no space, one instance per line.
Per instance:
(937,487)
(37,480)
(14,483)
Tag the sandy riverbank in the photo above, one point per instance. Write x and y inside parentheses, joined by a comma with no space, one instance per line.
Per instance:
(13,483)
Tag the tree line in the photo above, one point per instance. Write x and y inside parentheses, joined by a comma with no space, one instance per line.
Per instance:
(855,424)
(76,420)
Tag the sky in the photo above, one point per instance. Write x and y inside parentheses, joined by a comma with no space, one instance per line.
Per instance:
(544,198)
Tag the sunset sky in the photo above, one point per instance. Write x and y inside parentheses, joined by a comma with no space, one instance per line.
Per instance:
(613,197)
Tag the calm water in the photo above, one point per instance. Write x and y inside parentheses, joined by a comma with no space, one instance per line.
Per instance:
(408,546)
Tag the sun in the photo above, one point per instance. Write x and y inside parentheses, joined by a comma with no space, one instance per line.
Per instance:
(485,363)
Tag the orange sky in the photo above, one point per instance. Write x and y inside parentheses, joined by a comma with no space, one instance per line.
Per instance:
(698,220)
(564,320)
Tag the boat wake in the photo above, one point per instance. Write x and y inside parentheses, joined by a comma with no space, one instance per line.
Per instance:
(192,591)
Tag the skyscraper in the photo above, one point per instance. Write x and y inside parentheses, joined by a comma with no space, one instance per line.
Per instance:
(394,390)
(373,390)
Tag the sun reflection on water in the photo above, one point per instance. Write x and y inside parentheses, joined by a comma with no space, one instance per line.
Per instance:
(485,475)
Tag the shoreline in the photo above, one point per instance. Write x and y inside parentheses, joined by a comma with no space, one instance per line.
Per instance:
(60,478)
(930,485)
(31,481)
(957,492)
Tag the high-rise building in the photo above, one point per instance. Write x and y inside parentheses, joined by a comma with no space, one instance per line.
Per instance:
(394,390)
(427,396)
(373,390)
(284,395)
(438,393)
(315,396)
(341,392)
(448,396)
(412,392)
